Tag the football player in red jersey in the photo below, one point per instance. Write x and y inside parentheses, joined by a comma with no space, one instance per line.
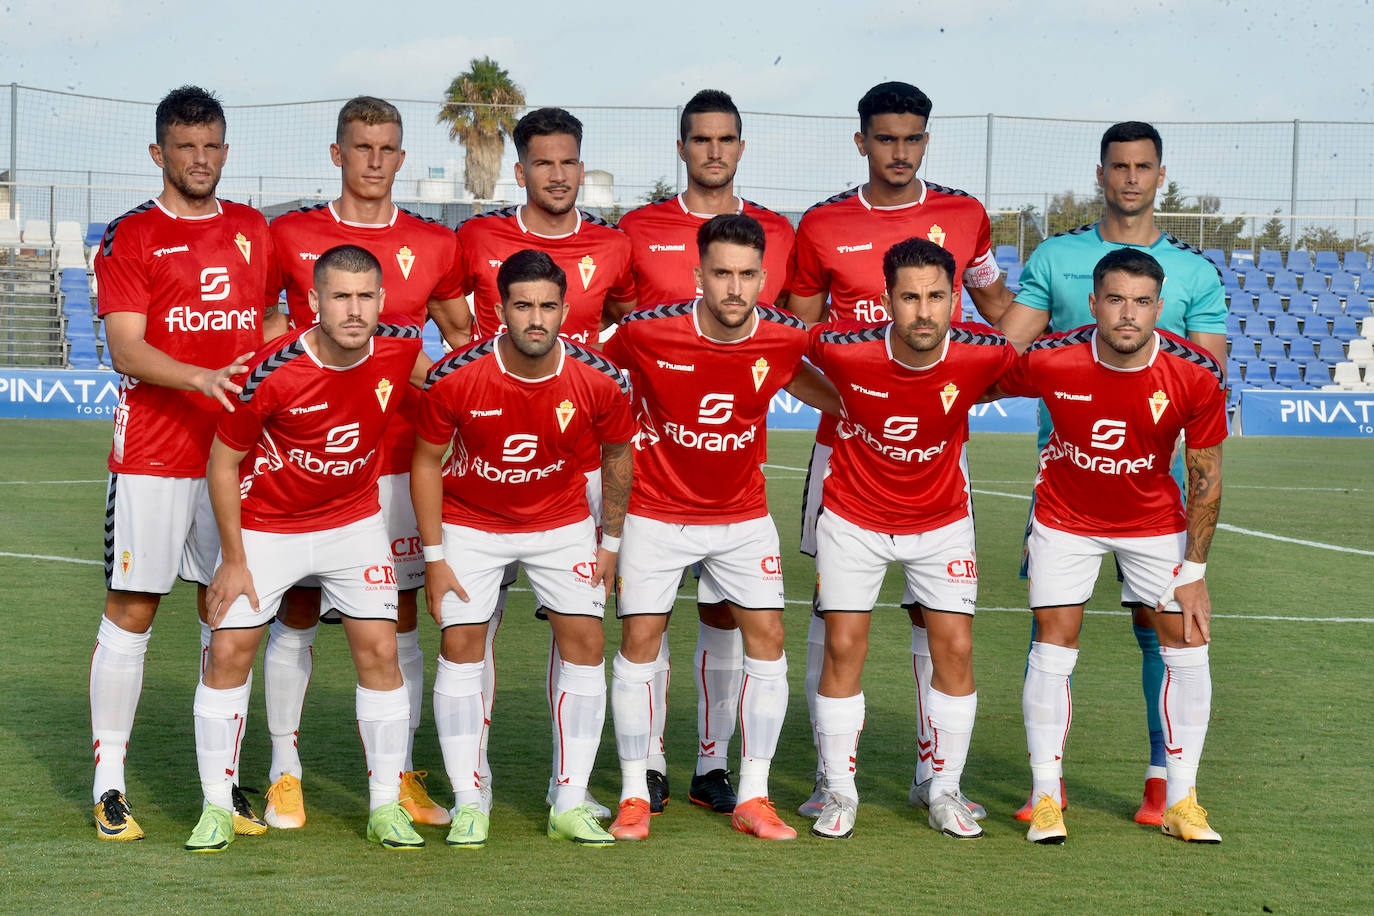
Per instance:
(181,293)
(703,375)
(838,256)
(907,386)
(309,421)
(664,235)
(420,273)
(1119,394)
(518,410)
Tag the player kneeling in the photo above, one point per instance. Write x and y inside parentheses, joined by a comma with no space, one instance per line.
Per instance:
(1120,393)
(517,409)
(311,413)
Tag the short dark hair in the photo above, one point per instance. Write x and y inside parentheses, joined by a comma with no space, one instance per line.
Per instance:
(369,110)
(348,258)
(708,101)
(732,228)
(190,105)
(892,98)
(1128,132)
(1128,261)
(526,266)
(543,122)
(916,252)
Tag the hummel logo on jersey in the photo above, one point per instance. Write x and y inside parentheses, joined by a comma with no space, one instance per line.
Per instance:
(868,391)
(311,409)
(161,251)
(716,409)
(341,438)
(520,448)
(586,268)
(1065,396)
(245,247)
(308,256)
(667,247)
(406,258)
(486,413)
(214,284)
(565,411)
(383,392)
(846,249)
(1109,435)
(1158,401)
(900,429)
(677,367)
(494,263)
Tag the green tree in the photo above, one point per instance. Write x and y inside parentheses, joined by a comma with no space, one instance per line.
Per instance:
(1200,230)
(660,191)
(481,107)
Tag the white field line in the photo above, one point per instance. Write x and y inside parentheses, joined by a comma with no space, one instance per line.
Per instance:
(41,482)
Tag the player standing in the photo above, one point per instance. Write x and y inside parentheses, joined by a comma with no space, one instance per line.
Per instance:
(703,374)
(1054,293)
(1119,394)
(518,410)
(664,238)
(419,261)
(181,293)
(838,254)
(312,413)
(907,386)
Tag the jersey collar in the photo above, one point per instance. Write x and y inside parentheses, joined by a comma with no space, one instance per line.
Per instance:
(310,352)
(887,343)
(1154,342)
(682,202)
(219,211)
(915,203)
(395,212)
(520,221)
(562,355)
(696,323)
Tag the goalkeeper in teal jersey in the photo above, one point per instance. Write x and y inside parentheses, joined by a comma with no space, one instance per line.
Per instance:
(1054,296)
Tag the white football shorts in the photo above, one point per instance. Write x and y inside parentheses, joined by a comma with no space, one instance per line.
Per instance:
(156,530)
(402,532)
(940,566)
(816,470)
(1064,566)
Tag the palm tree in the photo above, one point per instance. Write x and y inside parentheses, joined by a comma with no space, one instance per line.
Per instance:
(481,107)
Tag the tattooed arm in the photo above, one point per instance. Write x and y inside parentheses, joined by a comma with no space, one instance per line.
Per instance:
(1204,506)
(617,473)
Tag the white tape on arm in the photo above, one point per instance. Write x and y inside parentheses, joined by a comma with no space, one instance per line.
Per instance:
(433,552)
(1188,572)
(610,544)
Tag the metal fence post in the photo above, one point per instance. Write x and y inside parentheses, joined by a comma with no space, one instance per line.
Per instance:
(987,167)
(677,160)
(14,149)
(1293,193)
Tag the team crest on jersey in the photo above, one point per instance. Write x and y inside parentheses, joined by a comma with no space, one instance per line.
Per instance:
(936,235)
(565,413)
(586,267)
(383,392)
(406,258)
(245,248)
(760,371)
(1158,401)
(126,560)
(948,395)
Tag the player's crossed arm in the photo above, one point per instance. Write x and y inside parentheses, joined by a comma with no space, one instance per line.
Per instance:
(232,578)
(617,475)
(453,318)
(810,386)
(133,356)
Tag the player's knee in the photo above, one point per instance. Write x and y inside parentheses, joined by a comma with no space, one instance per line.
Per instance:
(131,611)
(641,639)
(464,644)
(407,611)
(229,659)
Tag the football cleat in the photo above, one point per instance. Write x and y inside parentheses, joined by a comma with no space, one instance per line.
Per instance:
(950,815)
(658,790)
(214,831)
(758,817)
(1047,821)
(390,825)
(919,797)
(470,828)
(114,820)
(1024,812)
(1187,820)
(599,811)
(484,791)
(246,821)
(836,820)
(632,823)
(713,790)
(1151,810)
(813,806)
(285,804)
(578,825)
(415,799)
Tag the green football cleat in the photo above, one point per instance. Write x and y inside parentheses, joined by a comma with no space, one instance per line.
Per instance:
(214,831)
(579,825)
(390,826)
(470,827)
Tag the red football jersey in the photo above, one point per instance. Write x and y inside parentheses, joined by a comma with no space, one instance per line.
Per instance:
(702,407)
(898,466)
(595,256)
(664,239)
(312,431)
(1105,469)
(419,262)
(200,282)
(516,465)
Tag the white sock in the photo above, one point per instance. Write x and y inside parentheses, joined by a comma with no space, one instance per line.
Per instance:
(460,720)
(412,662)
(1047,709)
(580,711)
(1185,705)
(920,671)
(383,723)
(206,632)
(551,691)
(219,716)
(631,702)
(116,682)
(287,664)
(951,728)
(839,720)
(659,693)
(488,692)
(717,668)
(815,657)
(762,706)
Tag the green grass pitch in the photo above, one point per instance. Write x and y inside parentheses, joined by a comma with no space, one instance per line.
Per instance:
(1285,775)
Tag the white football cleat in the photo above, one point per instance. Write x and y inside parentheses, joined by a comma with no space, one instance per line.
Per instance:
(919,797)
(813,806)
(953,818)
(836,820)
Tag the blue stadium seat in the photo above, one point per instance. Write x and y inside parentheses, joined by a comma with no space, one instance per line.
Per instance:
(1299,259)
(1271,349)
(74,278)
(1269,304)
(1014,271)
(1285,282)
(1302,350)
(1328,304)
(94,233)
(1342,282)
(1256,281)
(1229,278)
(1313,282)
(1216,256)
(1317,374)
(1234,370)
(1327,261)
(1242,346)
(1238,300)
(1357,307)
(1355,260)
(1259,373)
(1233,395)
(1241,259)
(1330,349)
(1285,326)
(1270,260)
(1345,327)
(1366,279)
(1006,255)
(1234,325)
(1288,374)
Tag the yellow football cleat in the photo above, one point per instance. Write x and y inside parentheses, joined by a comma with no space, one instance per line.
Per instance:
(1187,820)
(1047,821)
(417,802)
(113,820)
(285,804)
(246,820)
